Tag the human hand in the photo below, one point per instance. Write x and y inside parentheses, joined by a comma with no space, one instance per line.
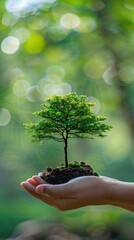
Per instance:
(78,192)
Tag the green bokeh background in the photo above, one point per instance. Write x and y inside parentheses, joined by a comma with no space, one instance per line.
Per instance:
(60,47)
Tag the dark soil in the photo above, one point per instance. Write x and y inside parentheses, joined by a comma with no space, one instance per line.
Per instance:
(61,174)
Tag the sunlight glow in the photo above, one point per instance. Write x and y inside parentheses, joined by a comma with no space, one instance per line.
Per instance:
(16,6)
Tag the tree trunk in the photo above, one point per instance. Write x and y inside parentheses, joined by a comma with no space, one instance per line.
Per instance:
(65,150)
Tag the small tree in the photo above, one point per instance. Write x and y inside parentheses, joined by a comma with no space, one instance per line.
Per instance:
(64,117)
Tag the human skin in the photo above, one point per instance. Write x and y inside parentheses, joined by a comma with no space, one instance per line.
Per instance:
(82,191)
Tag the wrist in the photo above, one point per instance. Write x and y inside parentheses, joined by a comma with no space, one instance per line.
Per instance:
(118,193)
(110,191)
(102,191)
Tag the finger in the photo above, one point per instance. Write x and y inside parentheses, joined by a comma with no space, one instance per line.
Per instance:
(32,181)
(31,190)
(27,185)
(55,191)
(40,174)
(62,204)
(38,179)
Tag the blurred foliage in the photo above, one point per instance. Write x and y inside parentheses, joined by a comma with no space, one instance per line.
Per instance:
(59,47)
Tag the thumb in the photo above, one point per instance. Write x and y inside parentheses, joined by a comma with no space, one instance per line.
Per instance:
(60,190)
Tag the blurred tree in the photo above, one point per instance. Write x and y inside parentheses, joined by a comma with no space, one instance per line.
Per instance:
(120,33)
(59,47)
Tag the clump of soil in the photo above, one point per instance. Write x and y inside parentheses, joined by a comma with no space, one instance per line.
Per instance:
(62,174)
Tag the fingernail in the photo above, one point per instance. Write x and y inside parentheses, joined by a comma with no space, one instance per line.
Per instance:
(22,183)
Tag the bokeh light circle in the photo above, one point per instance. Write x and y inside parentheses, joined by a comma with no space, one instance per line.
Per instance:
(5,117)
(10,45)
(70,21)
(35,43)
(97,106)
(20,87)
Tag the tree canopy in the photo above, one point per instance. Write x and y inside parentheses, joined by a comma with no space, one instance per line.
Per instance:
(67,116)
